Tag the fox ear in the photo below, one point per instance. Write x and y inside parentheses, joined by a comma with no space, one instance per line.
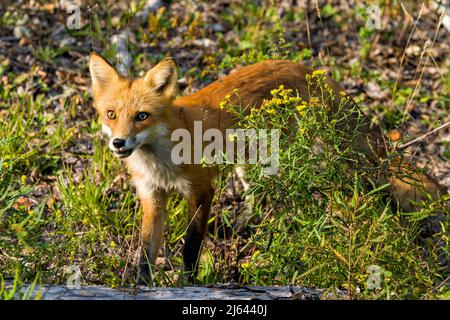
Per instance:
(163,78)
(102,73)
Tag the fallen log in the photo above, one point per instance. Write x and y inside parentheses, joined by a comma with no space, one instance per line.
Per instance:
(216,292)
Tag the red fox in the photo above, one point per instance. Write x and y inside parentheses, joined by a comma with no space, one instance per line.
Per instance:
(140,114)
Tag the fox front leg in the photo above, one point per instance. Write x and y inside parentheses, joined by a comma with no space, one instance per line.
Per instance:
(152,229)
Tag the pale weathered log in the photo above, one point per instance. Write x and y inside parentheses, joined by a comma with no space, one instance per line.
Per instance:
(218,292)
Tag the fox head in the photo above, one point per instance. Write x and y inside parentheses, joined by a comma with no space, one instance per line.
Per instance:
(132,111)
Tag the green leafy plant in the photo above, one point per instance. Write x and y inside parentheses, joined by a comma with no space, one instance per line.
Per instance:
(325,222)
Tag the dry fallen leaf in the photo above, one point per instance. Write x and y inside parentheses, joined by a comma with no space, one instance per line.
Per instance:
(22,203)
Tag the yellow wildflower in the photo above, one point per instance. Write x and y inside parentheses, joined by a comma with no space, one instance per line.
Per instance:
(314,101)
(58,214)
(274,92)
(285,94)
(301,107)
(318,73)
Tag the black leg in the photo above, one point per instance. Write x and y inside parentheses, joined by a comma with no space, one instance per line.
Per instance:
(198,213)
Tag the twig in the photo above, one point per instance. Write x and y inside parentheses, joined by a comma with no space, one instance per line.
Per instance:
(441,284)
(403,146)
(426,50)
(407,44)
(325,34)
(308,5)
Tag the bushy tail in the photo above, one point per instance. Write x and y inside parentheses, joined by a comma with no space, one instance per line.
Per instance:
(409,186)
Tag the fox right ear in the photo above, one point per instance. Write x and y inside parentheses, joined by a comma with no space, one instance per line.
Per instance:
(163,77)
(102,73)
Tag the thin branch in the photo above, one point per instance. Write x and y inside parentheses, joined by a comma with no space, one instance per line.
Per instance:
(422,137)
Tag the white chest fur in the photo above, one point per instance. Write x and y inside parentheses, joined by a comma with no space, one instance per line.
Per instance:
(153,169)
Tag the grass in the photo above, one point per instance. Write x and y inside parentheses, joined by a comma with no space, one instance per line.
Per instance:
(66,201)
(17,289)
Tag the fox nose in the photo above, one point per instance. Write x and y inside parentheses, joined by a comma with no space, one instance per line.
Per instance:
(118,143)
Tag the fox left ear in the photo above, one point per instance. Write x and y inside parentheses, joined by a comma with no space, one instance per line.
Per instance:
(102,73)
(163,78)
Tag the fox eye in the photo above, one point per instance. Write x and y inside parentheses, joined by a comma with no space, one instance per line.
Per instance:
(111,114)
(141,116)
